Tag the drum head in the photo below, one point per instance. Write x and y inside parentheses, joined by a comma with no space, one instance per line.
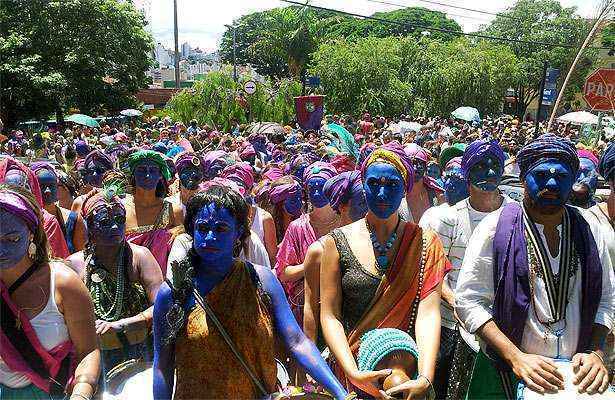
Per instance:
(128,374)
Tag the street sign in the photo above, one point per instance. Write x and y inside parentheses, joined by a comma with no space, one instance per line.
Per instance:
(599,90)
(550,93)
(249,87)
(313,81)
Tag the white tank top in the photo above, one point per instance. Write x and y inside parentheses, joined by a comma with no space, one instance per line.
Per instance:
(257,224)
(51,330)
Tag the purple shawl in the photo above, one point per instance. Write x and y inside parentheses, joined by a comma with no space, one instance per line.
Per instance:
(511,277)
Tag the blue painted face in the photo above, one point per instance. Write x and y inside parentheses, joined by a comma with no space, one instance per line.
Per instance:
(316,193)
(215,234)
(147,175)
(108,226)
(49,186)
(549,183)
(420,167)
(17,178)
(14,239)
(93,173)
(587,174)
(358,205)
(191,177)
(293,204)
(433,170)
(487,174)
(299,171)
(384,189)
(455,186)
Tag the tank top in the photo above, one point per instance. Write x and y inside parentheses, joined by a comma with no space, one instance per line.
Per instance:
(51,330)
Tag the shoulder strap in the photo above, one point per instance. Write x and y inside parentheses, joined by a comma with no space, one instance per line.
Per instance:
(23,277)
(210,313)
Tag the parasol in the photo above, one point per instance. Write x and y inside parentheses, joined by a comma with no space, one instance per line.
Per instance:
(82,119)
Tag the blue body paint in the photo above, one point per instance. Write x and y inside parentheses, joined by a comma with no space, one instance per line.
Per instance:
(293,205)
(420,167)
(93,173)
(215,233)
(49,186)
(147,175)
(316,193)
(358,205)
(191,177)
(108,226)
(434,171)
(549,184)
(14,239)
(17,178)
(587,174)
(487,174)
(384,189)
(455,186)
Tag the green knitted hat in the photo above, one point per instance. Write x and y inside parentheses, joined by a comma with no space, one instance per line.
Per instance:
(378,343)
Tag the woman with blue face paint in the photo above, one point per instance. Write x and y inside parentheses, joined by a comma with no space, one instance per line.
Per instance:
(46,311)
(283,199)
(122,279)
(347,198)
(554,302)
(382,272)
(190,173)
(304,231)
(71,223)
(95,165)
(587,180)
(249,304)
(149,217)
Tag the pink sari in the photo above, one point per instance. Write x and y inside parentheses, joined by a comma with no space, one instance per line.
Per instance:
(299,236)
(155,237)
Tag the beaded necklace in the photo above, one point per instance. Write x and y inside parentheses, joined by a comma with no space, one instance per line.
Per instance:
(108,301)
(417,299)
(382,261)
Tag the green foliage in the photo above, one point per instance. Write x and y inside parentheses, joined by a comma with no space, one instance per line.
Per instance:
(55,54)
(217,100)
(608,35)
(543,21)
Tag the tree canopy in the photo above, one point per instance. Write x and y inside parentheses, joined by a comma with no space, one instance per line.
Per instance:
(55,54)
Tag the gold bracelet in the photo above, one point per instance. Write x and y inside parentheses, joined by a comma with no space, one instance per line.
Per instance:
(594,352)
(426,378)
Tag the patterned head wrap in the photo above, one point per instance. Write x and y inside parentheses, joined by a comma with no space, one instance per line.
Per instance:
(545,147)
(140,156)
(273,173)
(247,151)
(477,151)
(413,150)
(241,173)
(392,153)
(18,206)
(319,169)
(214,162)
(343,163)
(9,164)
(82,148)
(186,159)
(376,344)
(451,152)
(607,163)
(219,181)
(39,165)
(340,188)
(583,153)
(280,193)
(453,163)
(100,198)
(99,157)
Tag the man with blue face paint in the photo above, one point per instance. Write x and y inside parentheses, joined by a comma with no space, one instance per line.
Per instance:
(587,180)
(482,166)
(537,284)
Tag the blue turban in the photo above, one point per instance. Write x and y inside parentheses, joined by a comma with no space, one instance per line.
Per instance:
(547,147)
(477,151)
(607,163)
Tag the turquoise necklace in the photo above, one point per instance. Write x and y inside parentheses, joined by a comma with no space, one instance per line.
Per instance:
(381,250)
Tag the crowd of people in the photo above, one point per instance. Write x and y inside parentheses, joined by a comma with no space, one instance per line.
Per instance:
(372,258)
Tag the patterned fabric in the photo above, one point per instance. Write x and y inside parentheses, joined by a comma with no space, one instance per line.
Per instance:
(477,151)
(340,188)
(392,153)
(149,155)
(547,146)
(319,169)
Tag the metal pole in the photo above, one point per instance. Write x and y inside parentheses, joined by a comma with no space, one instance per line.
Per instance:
(234,53)
(540,94)
(177,77)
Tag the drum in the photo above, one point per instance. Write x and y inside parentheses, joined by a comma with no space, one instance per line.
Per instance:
(569,392)
(132,379)
(133,334)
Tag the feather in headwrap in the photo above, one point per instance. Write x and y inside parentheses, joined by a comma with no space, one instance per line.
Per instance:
(477,151)
(392,153)
(340,188)
(107,196)
(607,163)
(319,169)
(547,147)
(149,155)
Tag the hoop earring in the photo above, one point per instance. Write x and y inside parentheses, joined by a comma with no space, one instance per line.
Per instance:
(32,250)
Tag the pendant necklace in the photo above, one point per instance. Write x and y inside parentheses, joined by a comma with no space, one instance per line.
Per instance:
(381,250)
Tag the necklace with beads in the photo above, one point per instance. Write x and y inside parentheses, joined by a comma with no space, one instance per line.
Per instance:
(417,298)
(108,300)
(381,250)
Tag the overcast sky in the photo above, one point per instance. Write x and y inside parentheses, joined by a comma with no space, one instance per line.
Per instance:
(201,22)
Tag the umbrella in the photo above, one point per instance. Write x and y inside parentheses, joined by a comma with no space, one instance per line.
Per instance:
(82,119)
(407,126)
(266,128)
(579,118)
(131,112)
(469,114)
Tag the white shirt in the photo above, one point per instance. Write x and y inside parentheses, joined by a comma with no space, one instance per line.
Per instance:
(474,294)
(454,225)
(256,254)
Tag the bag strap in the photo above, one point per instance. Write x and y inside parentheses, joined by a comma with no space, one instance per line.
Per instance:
(210,313)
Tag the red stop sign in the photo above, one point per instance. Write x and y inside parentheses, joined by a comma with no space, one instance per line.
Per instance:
(599,90)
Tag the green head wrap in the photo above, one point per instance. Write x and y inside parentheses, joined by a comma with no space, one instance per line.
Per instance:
(149,155)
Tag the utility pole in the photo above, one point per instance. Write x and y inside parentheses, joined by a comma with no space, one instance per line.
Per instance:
(177,83)
(540,94)
(234,52)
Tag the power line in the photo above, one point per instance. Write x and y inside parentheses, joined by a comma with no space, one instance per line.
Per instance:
(483,19)
(443,30)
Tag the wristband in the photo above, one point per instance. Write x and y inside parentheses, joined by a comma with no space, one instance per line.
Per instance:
(597,355)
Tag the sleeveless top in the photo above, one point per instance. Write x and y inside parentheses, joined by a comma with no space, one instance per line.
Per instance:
(51,330)
(359,285)
(257,223)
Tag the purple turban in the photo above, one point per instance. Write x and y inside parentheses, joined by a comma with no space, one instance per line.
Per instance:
(280,193)
(319,169)
(99,157)
(82,148)
(214,162)
(583,153)
(607,163)
(247,151)
(186,159)
(413,150)
(392,153)
(242,173)
(477,151)
(273,173)
(39,165)
(545,147)
(18,206)
(219,181)
(340,188)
